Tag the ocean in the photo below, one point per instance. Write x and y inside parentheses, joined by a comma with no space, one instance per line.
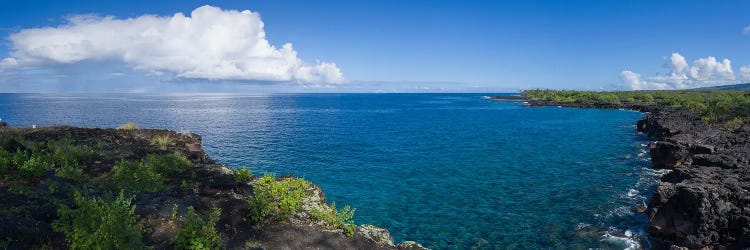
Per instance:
(451,171)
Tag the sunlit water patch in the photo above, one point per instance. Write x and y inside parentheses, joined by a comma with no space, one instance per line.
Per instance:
(452,171)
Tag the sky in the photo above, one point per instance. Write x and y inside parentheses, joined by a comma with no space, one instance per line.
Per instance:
(370,46)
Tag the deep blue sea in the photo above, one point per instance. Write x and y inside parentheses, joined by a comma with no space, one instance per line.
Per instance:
(452,171)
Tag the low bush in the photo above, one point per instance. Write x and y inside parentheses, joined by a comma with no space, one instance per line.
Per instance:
(73,173)
(97,223)
(336,219)
(198,232)
(242,174)
(19,158)
(65,153)
(35,167)
(148,174)
(6,159)
(276,199)
(169,164)
(136,177)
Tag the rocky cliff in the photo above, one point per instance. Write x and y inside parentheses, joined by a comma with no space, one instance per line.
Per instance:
(704,202)
(35,192)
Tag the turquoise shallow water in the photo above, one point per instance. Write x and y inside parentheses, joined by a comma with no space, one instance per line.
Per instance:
(452,171)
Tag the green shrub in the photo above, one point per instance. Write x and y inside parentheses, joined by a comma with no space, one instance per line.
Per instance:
(168,165)
(35,167)
(65,153)
(733,124)
(6,159)
(162,142)
(198,232)
(100,224)
(72,172)
(242,174)
(336,219)
(19,158)
(276,199)
(136,177)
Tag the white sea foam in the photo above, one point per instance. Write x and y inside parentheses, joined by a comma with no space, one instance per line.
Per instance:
(633,192)
(627,241)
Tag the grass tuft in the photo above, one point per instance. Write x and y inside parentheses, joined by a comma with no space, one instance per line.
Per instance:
(162,142)
(128,126)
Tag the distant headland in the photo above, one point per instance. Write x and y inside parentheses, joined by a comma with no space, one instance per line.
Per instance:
(703,136)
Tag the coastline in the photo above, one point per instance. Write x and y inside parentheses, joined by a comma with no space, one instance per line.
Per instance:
(704,201)
(33,204)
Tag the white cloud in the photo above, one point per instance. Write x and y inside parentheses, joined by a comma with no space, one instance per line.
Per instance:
(708,68)
(704,72)
(211,43)
(745,72)
(633,81)
(8,63)
(678,63)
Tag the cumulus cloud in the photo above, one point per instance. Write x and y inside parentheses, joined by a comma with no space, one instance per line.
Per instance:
(211,43)
(703,72)
(745,72)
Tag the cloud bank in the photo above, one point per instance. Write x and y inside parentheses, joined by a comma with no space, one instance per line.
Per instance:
(211,43)
(703,72)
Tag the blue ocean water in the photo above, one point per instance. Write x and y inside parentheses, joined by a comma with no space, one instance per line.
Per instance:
(452,171)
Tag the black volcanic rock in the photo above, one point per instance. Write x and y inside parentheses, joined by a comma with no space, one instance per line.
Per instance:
(667,155)
(704,203)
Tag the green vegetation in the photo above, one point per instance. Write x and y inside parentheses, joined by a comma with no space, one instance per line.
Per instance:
(168,165)
(128,126)
(276,199)
(242,174)
(35,167)
(96,219)
(34,160)
(162,142)
(65,153)
(148,174)
(100,224)
(198,232)
(336,219)
(714,106)
(136,177)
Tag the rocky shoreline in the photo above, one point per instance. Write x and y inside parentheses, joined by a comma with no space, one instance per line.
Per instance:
(704,202)
(31,206)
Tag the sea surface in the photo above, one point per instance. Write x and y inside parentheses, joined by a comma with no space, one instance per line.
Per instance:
(451,171)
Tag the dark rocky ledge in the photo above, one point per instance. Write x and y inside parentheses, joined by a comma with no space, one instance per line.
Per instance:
(704,202)
(209,185)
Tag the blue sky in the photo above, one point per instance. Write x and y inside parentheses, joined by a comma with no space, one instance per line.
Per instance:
(407,46)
